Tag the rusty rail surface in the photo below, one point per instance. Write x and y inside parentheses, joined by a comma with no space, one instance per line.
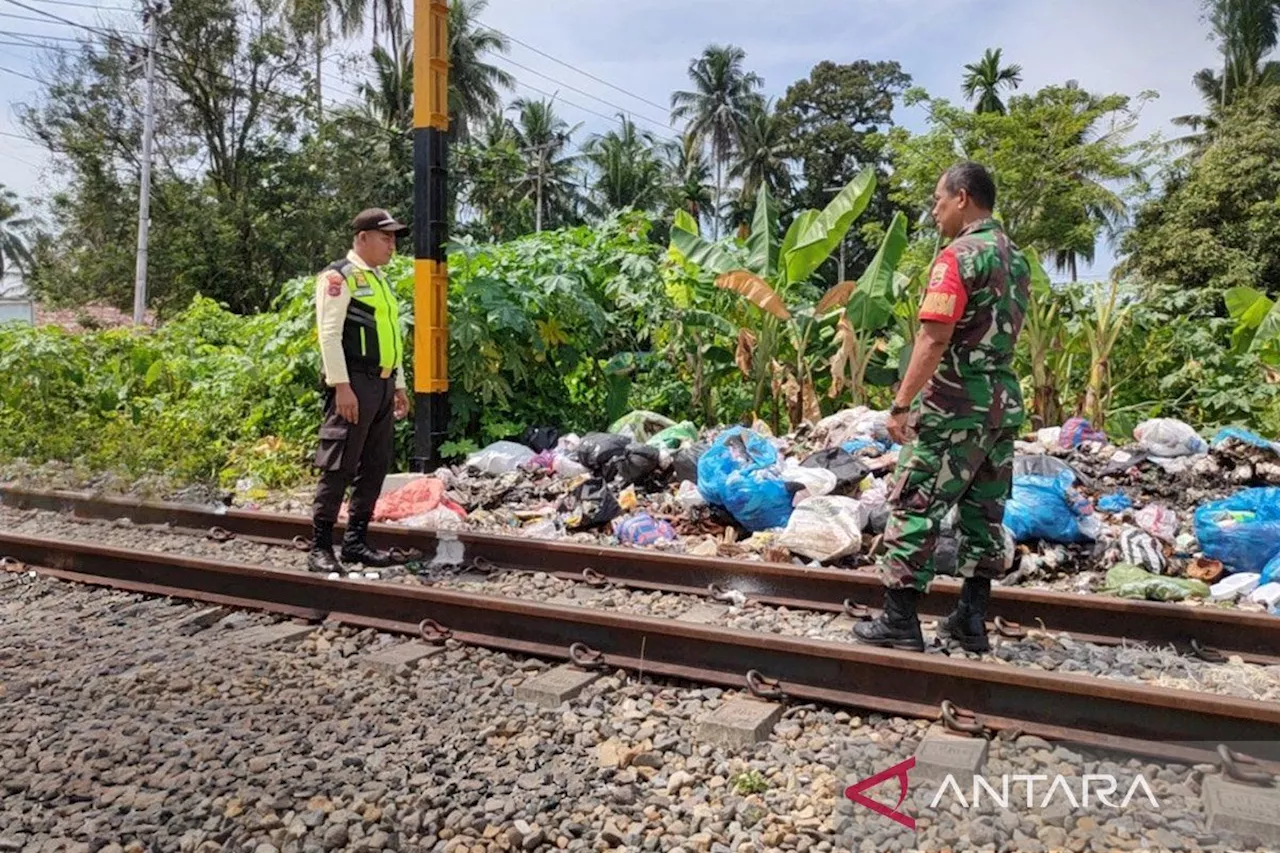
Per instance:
(1207,631)
(1130,718)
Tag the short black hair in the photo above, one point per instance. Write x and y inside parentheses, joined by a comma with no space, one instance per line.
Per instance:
(974,179)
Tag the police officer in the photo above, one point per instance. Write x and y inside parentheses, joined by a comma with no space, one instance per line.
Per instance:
(960,451)
(362,352)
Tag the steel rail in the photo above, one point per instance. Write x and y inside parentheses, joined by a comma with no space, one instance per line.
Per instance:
(1134,719)
(1209,632)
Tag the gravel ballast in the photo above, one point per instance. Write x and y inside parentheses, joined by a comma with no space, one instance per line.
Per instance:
(1134,663)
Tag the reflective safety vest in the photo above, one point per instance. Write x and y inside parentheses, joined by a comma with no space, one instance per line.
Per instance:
(371,332)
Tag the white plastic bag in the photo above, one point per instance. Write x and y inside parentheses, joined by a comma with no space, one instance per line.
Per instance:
(689,497)
(436,519)
(824,528)
(568,467)
(873,505)
(1159,521)
(1234,585)
(1049,436)
(1168,437)
(816,481)
(500,457)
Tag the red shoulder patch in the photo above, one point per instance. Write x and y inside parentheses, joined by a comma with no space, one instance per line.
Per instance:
(335,283)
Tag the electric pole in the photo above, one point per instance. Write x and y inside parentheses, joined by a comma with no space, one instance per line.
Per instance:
(150,17)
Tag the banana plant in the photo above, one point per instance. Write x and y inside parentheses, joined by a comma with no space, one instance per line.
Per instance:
(1047,343)
(867,312)
(1257,321)
(769,273)
(1101,333)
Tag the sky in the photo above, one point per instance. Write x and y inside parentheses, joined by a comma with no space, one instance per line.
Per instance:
(643,48)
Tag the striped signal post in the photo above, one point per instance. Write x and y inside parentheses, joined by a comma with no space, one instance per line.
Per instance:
(430,230)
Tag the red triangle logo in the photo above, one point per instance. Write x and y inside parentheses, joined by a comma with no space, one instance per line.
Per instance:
(899,771)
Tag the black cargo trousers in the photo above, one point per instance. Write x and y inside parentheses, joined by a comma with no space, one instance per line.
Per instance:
(357,455)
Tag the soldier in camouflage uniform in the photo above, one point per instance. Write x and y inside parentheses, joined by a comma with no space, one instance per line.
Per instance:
(961,440)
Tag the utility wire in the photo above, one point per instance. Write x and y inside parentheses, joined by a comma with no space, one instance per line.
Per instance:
(556,97)
(572,88)
(575,68)
(12,16)
(19,74)
(86,6)
(34,38)
(112,36)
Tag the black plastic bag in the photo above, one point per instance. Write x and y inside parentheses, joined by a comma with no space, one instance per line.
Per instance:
(848,469)
(637,462)
(597,450)
(540,438)
(684,465)
(590,505)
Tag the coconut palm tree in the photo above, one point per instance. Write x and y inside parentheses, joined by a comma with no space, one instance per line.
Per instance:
(985,78)
(389,96)
(1103,211)
(716,107)
(689,175)
(762,152)
(13,249)
(474,85)
(321,20)
(550,178)
(1247,30)
(627,170)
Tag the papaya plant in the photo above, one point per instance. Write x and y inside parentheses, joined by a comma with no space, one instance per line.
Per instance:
(774,276)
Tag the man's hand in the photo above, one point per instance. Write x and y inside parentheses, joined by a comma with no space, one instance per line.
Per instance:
(401,404)
(347,404)
(898,429)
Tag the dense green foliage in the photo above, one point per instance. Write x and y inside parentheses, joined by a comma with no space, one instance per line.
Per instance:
(714,277)
(213,394)
(1217,225)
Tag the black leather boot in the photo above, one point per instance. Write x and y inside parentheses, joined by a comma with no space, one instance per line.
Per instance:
(356,550)
(321,558)
(898,627)
(968,624)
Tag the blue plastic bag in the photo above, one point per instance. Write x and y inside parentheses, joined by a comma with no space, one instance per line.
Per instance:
(1243,531)
(1244,435)
(1271,572)
(880,447)
(740,472)
(1043,507)
(1115,502)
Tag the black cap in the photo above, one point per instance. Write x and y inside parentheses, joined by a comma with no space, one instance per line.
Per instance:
(377,219)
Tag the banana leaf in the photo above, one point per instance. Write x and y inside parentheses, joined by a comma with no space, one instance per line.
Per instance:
(823,232)
(762,245)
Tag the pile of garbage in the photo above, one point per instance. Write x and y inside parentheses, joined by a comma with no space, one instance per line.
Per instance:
(648,481)
(1169,516)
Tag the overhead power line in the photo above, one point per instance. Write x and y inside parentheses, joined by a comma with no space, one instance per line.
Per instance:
(114,37)
(623,110)
(587,74)
(555,96)
(19,74)
(93,6)
(34,40)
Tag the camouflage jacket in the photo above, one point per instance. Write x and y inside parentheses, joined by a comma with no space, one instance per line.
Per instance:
(981,282)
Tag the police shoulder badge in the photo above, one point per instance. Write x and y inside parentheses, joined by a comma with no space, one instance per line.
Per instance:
(335,283)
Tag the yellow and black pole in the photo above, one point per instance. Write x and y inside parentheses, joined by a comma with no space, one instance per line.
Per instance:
(430,230)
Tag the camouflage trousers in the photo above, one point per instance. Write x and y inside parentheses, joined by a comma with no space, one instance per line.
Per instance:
(941,469)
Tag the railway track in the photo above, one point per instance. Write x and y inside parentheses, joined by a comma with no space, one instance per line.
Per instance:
(1210,633)
(1135,719)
